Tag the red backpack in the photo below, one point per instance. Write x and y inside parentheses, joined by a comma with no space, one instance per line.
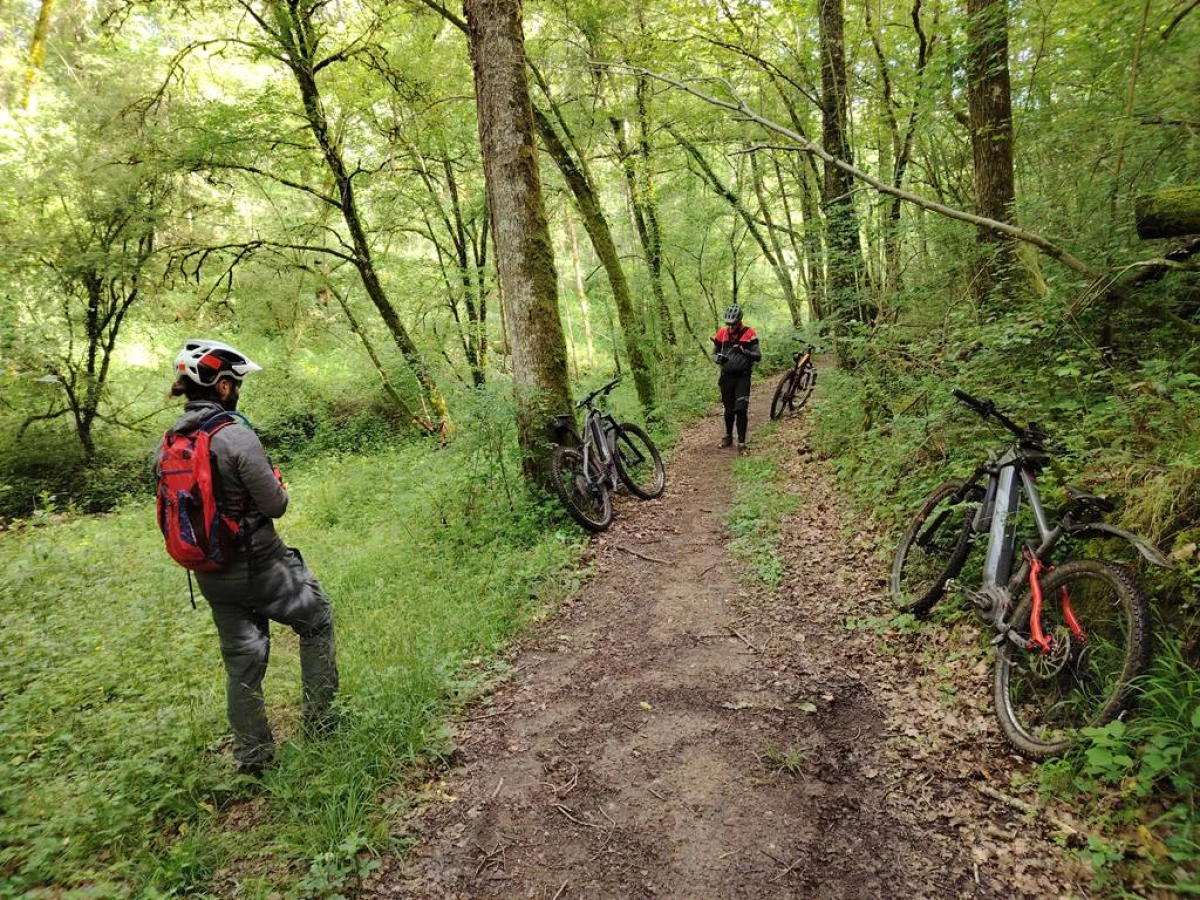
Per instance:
(198,536)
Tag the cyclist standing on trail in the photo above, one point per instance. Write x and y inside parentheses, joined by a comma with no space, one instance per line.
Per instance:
(735,350)
(263,580)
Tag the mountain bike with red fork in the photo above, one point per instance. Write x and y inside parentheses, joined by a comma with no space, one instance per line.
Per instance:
(1070,636)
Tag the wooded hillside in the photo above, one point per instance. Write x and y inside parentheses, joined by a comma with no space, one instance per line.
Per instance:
(433,224)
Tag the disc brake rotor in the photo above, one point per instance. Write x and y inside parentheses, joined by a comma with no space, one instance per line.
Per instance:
(1047,666)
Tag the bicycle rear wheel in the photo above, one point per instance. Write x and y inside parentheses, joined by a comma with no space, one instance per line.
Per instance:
(1044,698)
(639,465)
(783,394)
(805,382)
(588,504)
(934,547)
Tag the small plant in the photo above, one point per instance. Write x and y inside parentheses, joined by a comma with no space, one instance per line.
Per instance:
(790,759)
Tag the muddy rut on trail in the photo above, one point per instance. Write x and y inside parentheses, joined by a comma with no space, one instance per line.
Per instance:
(671,732)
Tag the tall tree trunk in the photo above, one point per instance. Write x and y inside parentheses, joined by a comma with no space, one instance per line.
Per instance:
(581,291)
(524,252)
(295,35)
(640,180)
(37,53)
(845,252)
(989,103)
(596,225)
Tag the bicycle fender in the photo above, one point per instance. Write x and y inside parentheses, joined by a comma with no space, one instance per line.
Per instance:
(1144,547)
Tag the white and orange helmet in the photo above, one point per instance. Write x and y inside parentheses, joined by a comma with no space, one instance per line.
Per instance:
(204,361)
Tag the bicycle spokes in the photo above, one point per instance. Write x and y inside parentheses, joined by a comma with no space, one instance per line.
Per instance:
(1077,658)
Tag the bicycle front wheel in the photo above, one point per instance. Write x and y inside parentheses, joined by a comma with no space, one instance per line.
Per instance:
(934,547)
(588,504)
(1098,625)
(783,394)
(639,465)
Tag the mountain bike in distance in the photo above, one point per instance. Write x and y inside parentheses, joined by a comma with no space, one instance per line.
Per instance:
(586,468)
(1070,636)
(797,384)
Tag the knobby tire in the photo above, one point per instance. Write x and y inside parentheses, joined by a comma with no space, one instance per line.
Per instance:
(632,446)
(1090,681)
(783,394)
(590,507)
(954,530)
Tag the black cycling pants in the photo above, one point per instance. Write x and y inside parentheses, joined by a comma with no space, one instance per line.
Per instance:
(735,395)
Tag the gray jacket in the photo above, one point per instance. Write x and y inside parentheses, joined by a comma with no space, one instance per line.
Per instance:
(247,489)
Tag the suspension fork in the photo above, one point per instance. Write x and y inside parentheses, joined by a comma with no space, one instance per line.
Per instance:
(1038,639)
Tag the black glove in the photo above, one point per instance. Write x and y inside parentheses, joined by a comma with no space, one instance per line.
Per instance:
(722,359)
(736,348)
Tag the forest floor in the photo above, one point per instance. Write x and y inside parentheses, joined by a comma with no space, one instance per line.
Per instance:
(680,730)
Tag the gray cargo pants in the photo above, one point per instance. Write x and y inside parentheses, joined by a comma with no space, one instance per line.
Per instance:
(244,601)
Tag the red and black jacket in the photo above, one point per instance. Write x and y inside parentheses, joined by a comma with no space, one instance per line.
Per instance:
(742,360)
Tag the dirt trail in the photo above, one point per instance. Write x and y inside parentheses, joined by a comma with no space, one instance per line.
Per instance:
(671,733)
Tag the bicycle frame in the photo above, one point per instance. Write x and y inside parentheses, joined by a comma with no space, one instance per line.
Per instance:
(1009,477)
(597,451)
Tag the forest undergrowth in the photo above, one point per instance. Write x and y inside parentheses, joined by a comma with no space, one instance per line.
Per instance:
(1121,421)
(116,778)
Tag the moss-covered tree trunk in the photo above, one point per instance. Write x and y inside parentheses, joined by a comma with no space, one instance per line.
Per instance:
(524,252)
(596,225)
(845,261)
(989,102)
(1172,212)
(37,52)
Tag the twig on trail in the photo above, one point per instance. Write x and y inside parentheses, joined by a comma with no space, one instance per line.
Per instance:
(655,793)
(710,568)
(1028,808)
(496,792)
(562,790)
(786,872)
(653,559)
(745,640)
(558,893)
(489,715)
(488,858)
(558,741)
(567,812)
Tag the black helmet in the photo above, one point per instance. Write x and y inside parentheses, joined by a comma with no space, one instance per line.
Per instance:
(733,315)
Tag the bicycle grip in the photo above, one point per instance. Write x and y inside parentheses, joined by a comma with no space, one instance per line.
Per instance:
(964,397)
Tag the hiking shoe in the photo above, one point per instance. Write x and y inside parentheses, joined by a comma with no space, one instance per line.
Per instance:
(727,441)
(742,447)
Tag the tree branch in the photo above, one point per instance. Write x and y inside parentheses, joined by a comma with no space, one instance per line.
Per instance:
(742,109)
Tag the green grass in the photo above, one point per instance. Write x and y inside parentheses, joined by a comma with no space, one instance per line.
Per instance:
(115,777)
(112,688)
(761,505)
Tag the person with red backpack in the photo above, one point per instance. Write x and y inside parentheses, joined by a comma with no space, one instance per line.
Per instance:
(735,350)
(218,497)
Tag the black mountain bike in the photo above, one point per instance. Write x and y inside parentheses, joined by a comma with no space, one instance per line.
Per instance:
(585,469)
(797,384)
(1070,636)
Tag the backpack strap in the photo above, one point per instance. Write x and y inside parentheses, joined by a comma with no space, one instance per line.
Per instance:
(217,421)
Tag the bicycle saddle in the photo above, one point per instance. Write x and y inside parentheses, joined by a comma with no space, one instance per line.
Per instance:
(1084,499)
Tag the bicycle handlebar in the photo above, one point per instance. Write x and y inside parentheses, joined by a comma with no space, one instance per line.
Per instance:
(587,401)
(987,409)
